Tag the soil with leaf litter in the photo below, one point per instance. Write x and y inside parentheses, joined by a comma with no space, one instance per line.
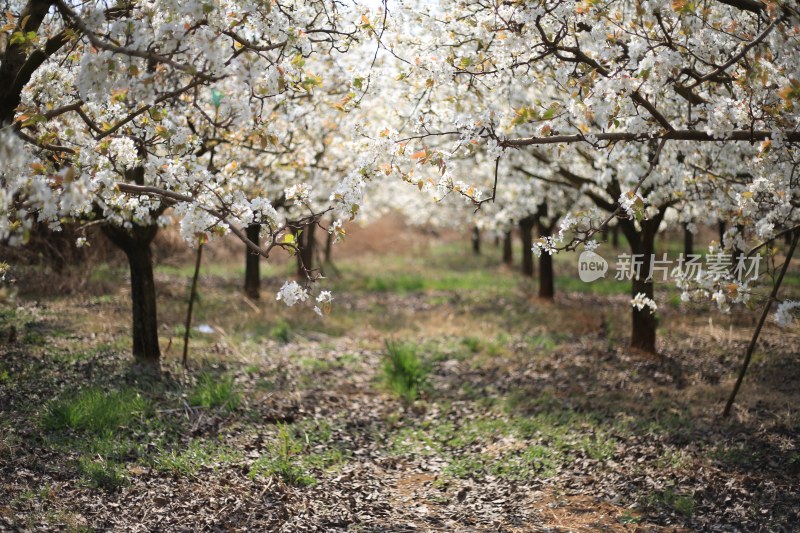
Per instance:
(529,416)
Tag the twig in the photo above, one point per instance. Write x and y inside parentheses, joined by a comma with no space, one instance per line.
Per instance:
(192,296)
(749,354)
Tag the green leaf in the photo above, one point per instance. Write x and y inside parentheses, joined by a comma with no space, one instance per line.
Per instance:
(17,38)
(216,97)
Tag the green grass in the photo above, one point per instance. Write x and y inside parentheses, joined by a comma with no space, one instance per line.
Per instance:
(404,372)
(101,474)
(282,460)
(95,411)
(473,344)
(281,331)
(197,455)
(683,504)
(516,448)
(213,392)
(399,284)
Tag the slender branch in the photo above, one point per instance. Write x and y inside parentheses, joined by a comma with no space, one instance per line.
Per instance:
(735,59)
(749,354)
(192,298)
(779,234)
(68,13)
(676,135)
(247,44)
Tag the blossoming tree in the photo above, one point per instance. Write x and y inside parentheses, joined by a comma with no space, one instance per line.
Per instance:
(114,114)
(662,106)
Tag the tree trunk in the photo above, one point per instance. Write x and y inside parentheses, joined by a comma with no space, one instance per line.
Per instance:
(738,253)
(526,235)
(688,241)
(546,281)
(252,264)
(476,240)
(329,248)
(135,242)
(508,249)
(615,236)
(545,227)
(721,228)
(305,257)
(643,321)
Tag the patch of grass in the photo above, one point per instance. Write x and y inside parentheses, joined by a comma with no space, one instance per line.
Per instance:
(93,352)
(101,474)
(95,411)
(535,461)
(212,392)
(683,504)
(478,431)
(197,455)
(532,462)
(398,283)
(467,466)
(404,372)
(281,331)
(521,400)
(737,454)
(282,461)
(473,344)
(599,446)
(34,338)
(314,431)
(543,342)
(411,441)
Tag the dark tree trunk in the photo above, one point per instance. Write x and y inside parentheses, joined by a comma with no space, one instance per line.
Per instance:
(643,321)
(329,248)
(476,240)
(252,264)
(688,241)
(737,252)
(305,257)
(615,236)
(135,242)
(721,229)
(546,282)
(16,65)
(508,249)
(526,235)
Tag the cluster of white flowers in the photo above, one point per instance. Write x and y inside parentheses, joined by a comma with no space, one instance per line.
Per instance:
(323,303)
(123,151)
(591,246)
(298,191)
(640,301)
(783,315)
(13,156)
(337,229)
(264,213)
(291,292)
(632,203)
(544,244)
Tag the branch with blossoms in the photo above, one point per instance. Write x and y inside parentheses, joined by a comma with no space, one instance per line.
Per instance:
(223,216)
